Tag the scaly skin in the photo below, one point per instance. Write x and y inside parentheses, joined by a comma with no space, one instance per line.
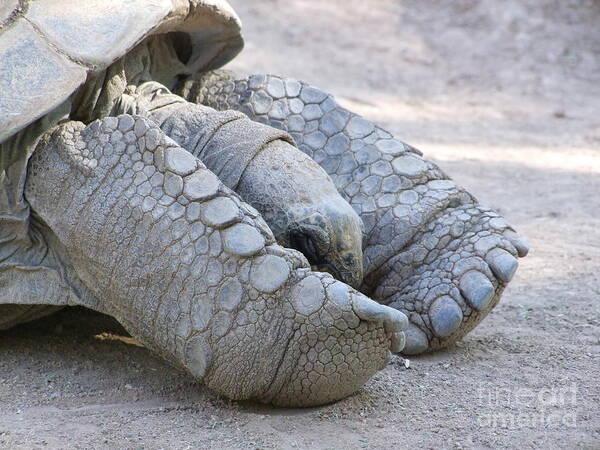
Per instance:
(294,195)
(430,250)
(195,274)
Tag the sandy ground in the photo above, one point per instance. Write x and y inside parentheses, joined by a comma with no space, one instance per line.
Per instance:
(505,96)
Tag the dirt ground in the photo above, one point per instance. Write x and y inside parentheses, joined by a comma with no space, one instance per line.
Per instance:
(506,97)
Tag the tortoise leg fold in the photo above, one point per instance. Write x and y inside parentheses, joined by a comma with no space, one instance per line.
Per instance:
(430,250)
(195,274)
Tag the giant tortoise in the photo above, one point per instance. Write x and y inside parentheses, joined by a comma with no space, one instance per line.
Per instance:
(203,209)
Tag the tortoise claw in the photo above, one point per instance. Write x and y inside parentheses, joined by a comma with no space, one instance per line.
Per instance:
(503,264)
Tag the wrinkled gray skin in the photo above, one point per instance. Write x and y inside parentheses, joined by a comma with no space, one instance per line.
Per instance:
(430,250)
(312,218)
(294,195)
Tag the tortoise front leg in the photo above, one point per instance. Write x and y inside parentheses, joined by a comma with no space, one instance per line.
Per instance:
(430,250)
(192,272)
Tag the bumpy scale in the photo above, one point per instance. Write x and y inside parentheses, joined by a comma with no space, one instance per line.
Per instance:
(195,274)
(430,250)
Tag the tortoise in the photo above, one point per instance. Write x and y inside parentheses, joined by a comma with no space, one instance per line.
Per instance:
(203,209)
